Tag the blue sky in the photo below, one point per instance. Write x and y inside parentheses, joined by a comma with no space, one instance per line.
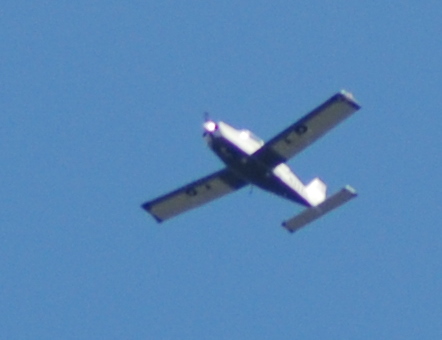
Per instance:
(101,109)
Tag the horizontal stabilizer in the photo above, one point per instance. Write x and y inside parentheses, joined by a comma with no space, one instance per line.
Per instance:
(312,213)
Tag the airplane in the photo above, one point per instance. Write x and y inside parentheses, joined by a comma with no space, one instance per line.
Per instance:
(249,160)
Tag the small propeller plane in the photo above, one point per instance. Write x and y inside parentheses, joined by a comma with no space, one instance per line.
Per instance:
(249,160)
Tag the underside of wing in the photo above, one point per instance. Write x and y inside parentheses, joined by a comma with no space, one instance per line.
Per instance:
(308,129)
(194,195)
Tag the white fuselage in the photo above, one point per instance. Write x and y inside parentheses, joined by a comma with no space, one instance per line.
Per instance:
(236,148)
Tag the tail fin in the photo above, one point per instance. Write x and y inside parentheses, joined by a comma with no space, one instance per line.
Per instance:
(316,192)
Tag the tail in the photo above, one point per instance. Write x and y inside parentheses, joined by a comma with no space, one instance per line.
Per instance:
(315,192)
(313,213)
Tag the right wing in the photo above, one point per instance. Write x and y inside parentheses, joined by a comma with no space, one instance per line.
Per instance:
(308,129)
(194,194)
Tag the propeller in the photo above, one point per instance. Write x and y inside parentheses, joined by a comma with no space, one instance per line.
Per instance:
(209,125)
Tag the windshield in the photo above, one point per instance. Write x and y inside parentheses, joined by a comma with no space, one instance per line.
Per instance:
(251,135)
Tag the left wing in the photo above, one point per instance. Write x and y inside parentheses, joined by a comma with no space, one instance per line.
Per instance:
(194,195)
(308,129)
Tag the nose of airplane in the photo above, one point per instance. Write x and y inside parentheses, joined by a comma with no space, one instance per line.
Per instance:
(210,126)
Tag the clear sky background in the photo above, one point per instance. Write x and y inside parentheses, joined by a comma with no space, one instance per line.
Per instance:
(101,109)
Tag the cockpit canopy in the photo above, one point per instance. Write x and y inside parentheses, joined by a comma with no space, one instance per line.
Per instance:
(247,134)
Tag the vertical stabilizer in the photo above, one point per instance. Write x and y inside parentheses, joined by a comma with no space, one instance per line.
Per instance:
(316,192)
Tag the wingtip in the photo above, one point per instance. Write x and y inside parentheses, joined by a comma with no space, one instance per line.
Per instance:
(146,207)
(351,190)
(349,97)
(284,225)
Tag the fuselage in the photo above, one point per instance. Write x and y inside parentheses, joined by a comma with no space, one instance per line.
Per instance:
(236,149)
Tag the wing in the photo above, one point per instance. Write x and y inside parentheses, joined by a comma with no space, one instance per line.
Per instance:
(194,194)
(308,129)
